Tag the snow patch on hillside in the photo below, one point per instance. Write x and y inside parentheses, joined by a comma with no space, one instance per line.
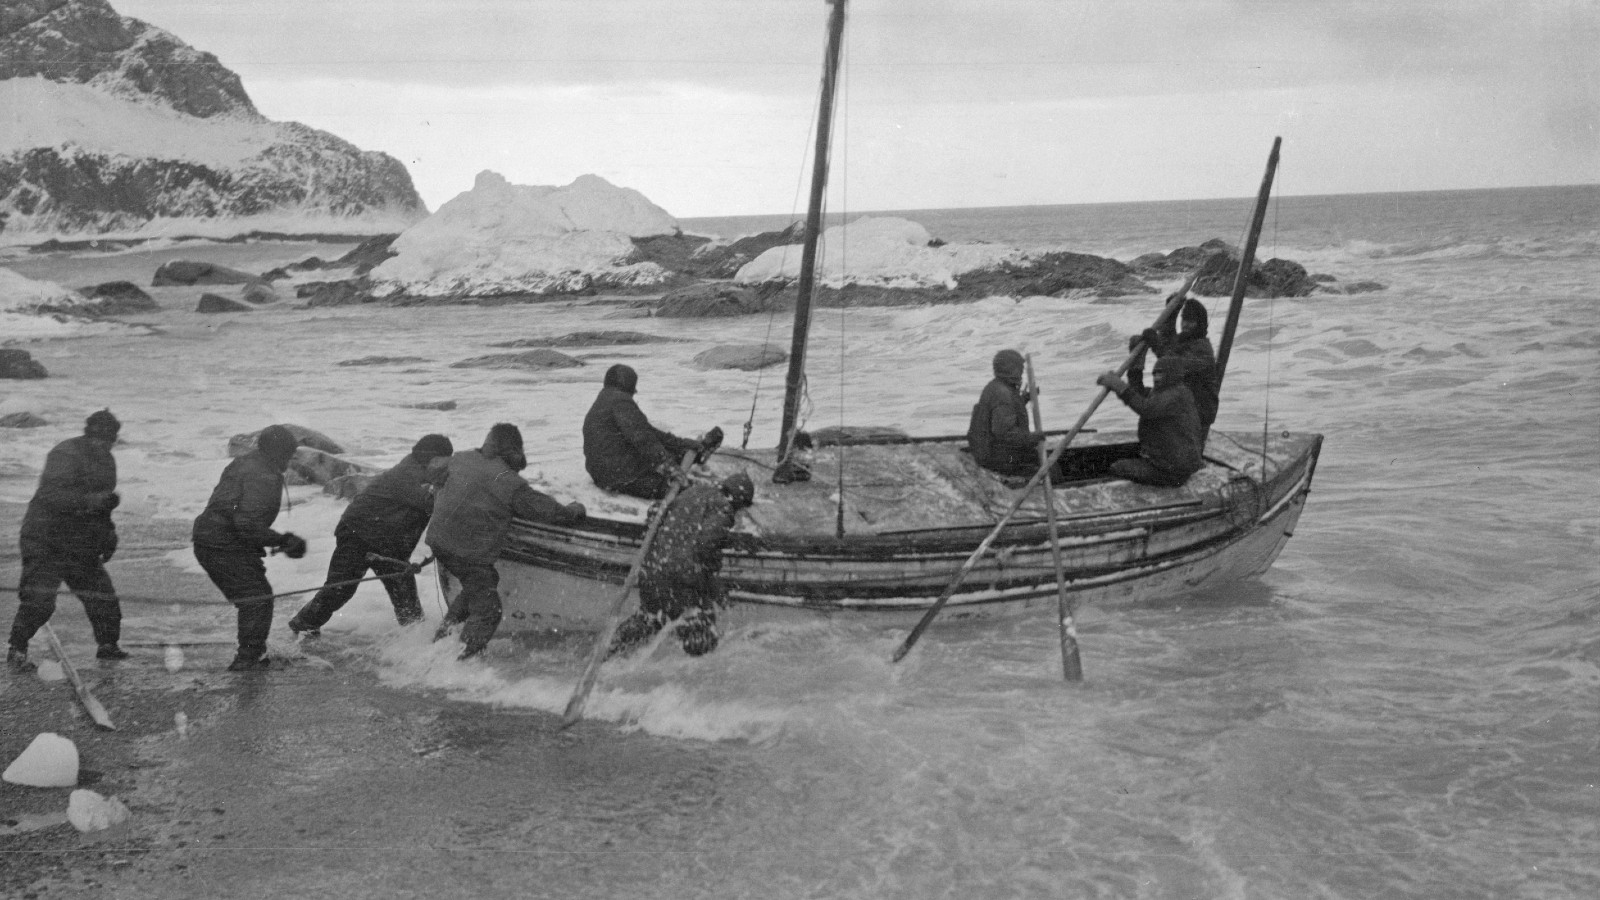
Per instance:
(78,117)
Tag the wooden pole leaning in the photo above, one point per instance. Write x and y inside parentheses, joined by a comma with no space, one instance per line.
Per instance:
(591,670)
(1022,495)
(1071,659)
(90,704)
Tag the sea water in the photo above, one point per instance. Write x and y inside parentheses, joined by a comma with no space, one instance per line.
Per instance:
(1406,705)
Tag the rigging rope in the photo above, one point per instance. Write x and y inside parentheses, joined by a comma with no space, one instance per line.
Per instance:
(844,267)
(772,311)
(1272,334)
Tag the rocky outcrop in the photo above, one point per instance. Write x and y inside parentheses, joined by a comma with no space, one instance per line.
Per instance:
(184,273)
(20,364)
(87,42)
(88,177)
(21,420)
(380,361)
(216,303)
(116,298)
(592,339)
(240,444)
(531,359)
(745,357)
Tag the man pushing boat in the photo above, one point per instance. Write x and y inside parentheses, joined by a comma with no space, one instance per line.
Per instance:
(479,494)
(678,577)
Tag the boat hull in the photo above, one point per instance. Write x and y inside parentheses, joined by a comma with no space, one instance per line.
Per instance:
(1119,544)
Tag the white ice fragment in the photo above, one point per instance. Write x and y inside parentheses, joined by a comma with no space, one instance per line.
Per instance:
(181,722)
(50,670)
(88,811)
(174,658)
(50,761)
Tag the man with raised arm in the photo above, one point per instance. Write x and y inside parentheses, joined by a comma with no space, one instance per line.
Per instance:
(1169,425)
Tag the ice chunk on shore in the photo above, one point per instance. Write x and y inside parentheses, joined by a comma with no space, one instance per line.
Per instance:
(501,237)
(88,811)
(174,658)
(50,761)
(50,670)
(879,250)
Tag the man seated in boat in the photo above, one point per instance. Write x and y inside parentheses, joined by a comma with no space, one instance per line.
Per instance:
(1190,344)
(678,577)
(998,434)
(621,449)
(1169,425)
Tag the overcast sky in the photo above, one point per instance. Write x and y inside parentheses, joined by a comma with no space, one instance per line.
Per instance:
(706,106)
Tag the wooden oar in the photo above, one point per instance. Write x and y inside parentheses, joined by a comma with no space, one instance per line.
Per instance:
(90,704)
(591,671)
(1022,496)
(1071,660)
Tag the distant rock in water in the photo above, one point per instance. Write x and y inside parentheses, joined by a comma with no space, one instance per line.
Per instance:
(442,405)
(312,466)
(115,298)
(335,293)
(747,357)
(216,303)
(1217,263)
(592,339)
(258,292)
(184,273)
(21,420)
(240,444)
(369,253)
(531,359)
(101,96)
(380,360)
(710,301)
(20,364)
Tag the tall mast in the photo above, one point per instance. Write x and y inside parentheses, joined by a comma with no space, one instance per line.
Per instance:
(795,383)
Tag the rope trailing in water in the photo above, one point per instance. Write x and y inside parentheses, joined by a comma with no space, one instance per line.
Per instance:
(410,569)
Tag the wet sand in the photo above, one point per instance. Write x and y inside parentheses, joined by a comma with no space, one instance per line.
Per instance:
(313,779)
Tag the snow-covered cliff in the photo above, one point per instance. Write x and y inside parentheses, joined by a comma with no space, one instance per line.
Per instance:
(116,127)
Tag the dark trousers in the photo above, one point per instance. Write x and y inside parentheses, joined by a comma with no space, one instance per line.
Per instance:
(44,568)
(692,600)
(477,603)
(241,575)
(1144,472)
(349,563)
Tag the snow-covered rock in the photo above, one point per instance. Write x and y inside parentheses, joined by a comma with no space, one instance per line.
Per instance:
(49,761)
(883,251)
(88,811)
(504,238)
(36,310)
(114,126)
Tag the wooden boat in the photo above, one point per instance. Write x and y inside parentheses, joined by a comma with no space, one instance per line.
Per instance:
(1120,541)
(890,538)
